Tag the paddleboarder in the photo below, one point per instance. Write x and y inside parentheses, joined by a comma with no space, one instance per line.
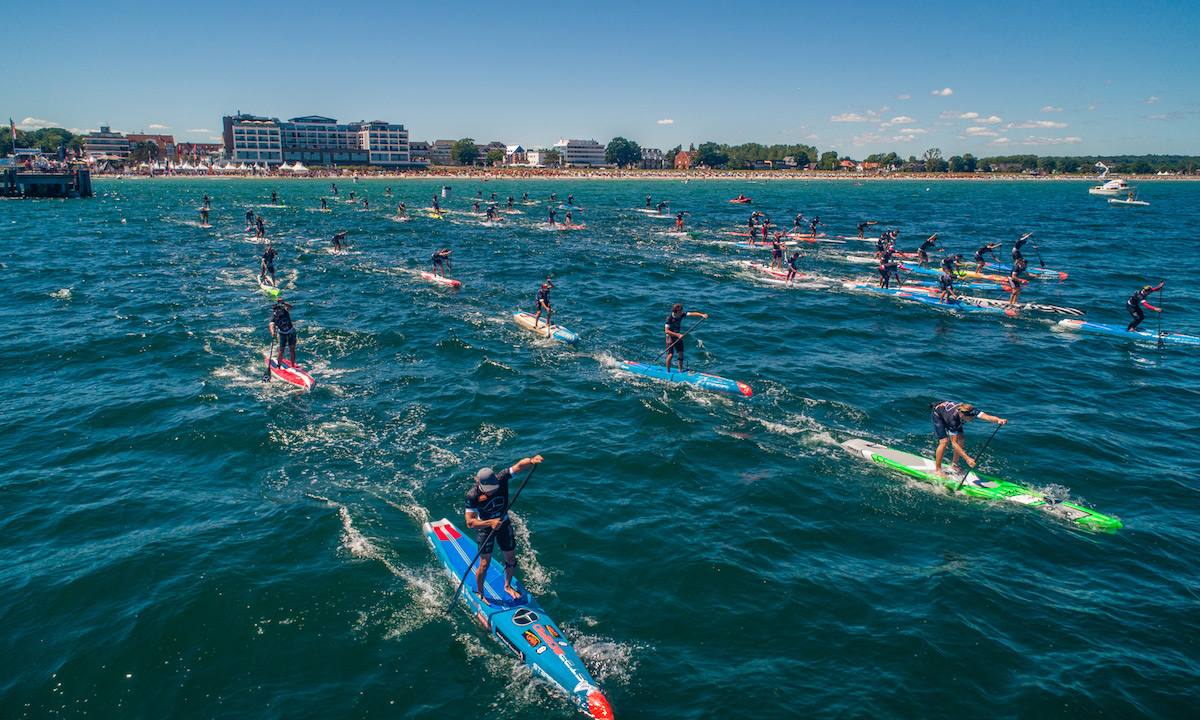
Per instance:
(1135,303)
(402,211)
(260,230)
(1016,249)
(989,249)
(207,200)
(337,241)
(812,225)
(948,418)
(441,261)
(281,325)
(486,513)
(862,228)
(660,207)
(946,287)
(674,337)
(274,198)
(204,217)
(1014,278)
(647,202)
(792,268)
(324,205)
(249,219)
(543,301)
(777,251)
(268,265)
(923,251)
(552,214)
(679,216)
(950,263)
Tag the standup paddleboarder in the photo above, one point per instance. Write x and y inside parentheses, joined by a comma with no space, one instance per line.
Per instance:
(1016,249)
(674,337)
(268,264)
(1135,303)
(204,216)
(679,220)
(337,241)
(1015,280)
(923,251)
(281,325)
(487,514)
(862,228)
(661,206)
(792,267)
(543,302)
(948,418)
(441,261)
(989,249)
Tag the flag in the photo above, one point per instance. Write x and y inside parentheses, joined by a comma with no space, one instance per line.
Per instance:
(13,126)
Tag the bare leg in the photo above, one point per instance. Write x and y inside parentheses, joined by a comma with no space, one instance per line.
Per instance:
(937,457)
(480,575)
(510,566)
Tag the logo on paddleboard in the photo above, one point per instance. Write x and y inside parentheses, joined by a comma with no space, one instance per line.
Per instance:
(524,616)
(531,638)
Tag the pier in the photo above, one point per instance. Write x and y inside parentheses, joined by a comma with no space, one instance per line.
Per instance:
(73,182)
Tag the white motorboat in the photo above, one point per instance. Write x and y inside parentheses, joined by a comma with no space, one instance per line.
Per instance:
(1112,188)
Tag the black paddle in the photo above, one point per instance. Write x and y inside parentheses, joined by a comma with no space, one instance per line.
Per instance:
(980,455)
(270,349)
(1162,304)
(483,544)
(677,340)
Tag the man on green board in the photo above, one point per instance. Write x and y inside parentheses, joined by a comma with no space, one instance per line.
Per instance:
(486,513)
(948,418)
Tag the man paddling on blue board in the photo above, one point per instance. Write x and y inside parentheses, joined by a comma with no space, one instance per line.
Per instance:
(989,249)
(674,337)
(543,302)
(923,250)
(1016,248)
(487,514)
(1135,303)
(1015,280)
(948,418)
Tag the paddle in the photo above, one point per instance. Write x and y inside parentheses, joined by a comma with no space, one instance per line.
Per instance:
(982,450)
(483,544)
(1162,304)
(270,349)
(664,352)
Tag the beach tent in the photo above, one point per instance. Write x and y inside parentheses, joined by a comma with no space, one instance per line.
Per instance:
(299,168)
(285,166)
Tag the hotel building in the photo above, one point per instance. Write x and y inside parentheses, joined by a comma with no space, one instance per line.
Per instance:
(580,153)
(105,143)
(315,140)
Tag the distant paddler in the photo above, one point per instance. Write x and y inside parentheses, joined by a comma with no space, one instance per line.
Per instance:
(281,324)
(402,211)
(543,303)
(510,203)
(1137,301)
(990,249)
(274,198)
(661,206)
(552,214)
(570,201)
(268,265)
(812,225)
(204,216)
(436,208)
(324,205)
(674,337)
(260,230)
(862,228)
(647,202)
(1015,280)
(777,251)
(491,213)
(337,241)
(366,203)
(798,224)
(249,219)
(207,201)
(333,188)
(948,418)
(486,513)
(793,266)
(679,220)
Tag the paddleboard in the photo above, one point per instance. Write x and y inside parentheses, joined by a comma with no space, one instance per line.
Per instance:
(976,485)
(1000,303)
(1118,201)
(1040,273)
(292,374)
(1139,335)
(520,625)
(954,305)
(436,216)
(569,207)
(442,280)
(652,211)
(268,288)
(558,332)
(740,201)
(703,380)
(560,226)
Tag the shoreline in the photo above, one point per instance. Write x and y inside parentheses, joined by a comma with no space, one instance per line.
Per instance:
(650,175)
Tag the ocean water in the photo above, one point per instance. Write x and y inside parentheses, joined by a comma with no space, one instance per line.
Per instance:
(183,540)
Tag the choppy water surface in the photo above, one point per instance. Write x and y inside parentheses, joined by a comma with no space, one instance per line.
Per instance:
(182,540)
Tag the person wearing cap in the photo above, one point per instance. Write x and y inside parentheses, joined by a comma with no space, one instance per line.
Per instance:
(777,251)
(674,337)
(543,301)
(1135,303)
(989,249)
(487,514)
(440,260)
(948,418)
(923,251)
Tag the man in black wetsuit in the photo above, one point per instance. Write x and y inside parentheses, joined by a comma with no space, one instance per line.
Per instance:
(337,241)
(486,512)
(570,200)
(1015,281)
(777,251)
(862,228)
(950,263)
(647,202)
(260,230)
(207,200)
(888,269)
(812,225)
(274,198)
(1016,249)
(1135,303)
(436,208)
(793,267)
(249,219)
(552,214)
(674,337)
(543,303)
(204,215)
(661,206)
(923,251)
(268,265)
(324,205)
(948,418)
(989,249)
(946,287)
(281,325)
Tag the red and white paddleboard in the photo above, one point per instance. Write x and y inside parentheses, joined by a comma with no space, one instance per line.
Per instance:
(293,374)
(440,279)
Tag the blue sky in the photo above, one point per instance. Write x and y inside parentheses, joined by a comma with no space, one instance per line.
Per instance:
(857,77)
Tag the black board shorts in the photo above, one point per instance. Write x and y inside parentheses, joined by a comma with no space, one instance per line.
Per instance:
(503,535)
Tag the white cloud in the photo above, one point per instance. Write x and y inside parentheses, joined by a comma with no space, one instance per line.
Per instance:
(160,127)
(912,131)
(943,92)
(666,121)
(977,131)
(904,97)
(1150,100)
(955,115)
(874,138)
(1051,108)
(851,117)
(903,119)
(200,130)
(1033,140)
(989,120)
(35,124)
(1044,124)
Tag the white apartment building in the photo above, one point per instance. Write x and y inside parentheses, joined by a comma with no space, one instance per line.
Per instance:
(580,153)
(105,143)
(254,140)
(315,140)
(536,157)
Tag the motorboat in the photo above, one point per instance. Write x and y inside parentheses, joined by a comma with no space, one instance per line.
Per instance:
(1113,188)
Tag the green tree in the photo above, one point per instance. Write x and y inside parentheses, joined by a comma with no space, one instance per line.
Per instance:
(669,157)
(710,154)
(143,152)
(464,152)
(553,157)
(829,161)
(495,156)
(1142,166)
(970,163)
(956,164)
(622,152)
(1047,165)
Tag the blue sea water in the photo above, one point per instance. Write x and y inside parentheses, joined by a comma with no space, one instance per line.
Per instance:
(183,540)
